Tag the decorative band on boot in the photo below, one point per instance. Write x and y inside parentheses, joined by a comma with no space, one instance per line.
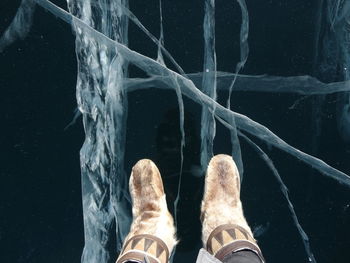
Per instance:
(230,238)
(141,247)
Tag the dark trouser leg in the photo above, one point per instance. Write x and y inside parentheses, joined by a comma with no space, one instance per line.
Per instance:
(244,256)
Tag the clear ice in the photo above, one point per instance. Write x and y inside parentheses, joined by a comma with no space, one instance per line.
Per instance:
(101,29)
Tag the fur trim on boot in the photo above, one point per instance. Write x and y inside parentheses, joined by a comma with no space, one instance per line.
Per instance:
(152,232)
(224,227)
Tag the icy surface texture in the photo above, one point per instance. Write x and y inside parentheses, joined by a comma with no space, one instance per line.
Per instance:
(333,57)
(341,26)
(103,56)
(208,83)
(20,25)
(103,103)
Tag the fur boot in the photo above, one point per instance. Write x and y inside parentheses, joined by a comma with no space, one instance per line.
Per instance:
(224,227)
(152,232)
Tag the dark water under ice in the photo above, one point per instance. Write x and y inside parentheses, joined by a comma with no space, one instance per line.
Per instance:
(40,208)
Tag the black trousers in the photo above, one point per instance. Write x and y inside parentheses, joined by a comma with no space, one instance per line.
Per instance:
(244,256)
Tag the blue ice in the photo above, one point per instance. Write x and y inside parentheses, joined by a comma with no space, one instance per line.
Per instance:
(102,89)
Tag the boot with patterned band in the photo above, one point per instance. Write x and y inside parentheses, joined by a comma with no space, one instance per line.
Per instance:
(224,228)
(152,232)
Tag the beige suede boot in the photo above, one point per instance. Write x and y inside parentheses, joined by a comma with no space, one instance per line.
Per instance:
(152,232)
(224,228)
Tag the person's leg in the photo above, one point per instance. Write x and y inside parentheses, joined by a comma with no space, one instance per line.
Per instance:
(244,256)
(152,232)
(225,232)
